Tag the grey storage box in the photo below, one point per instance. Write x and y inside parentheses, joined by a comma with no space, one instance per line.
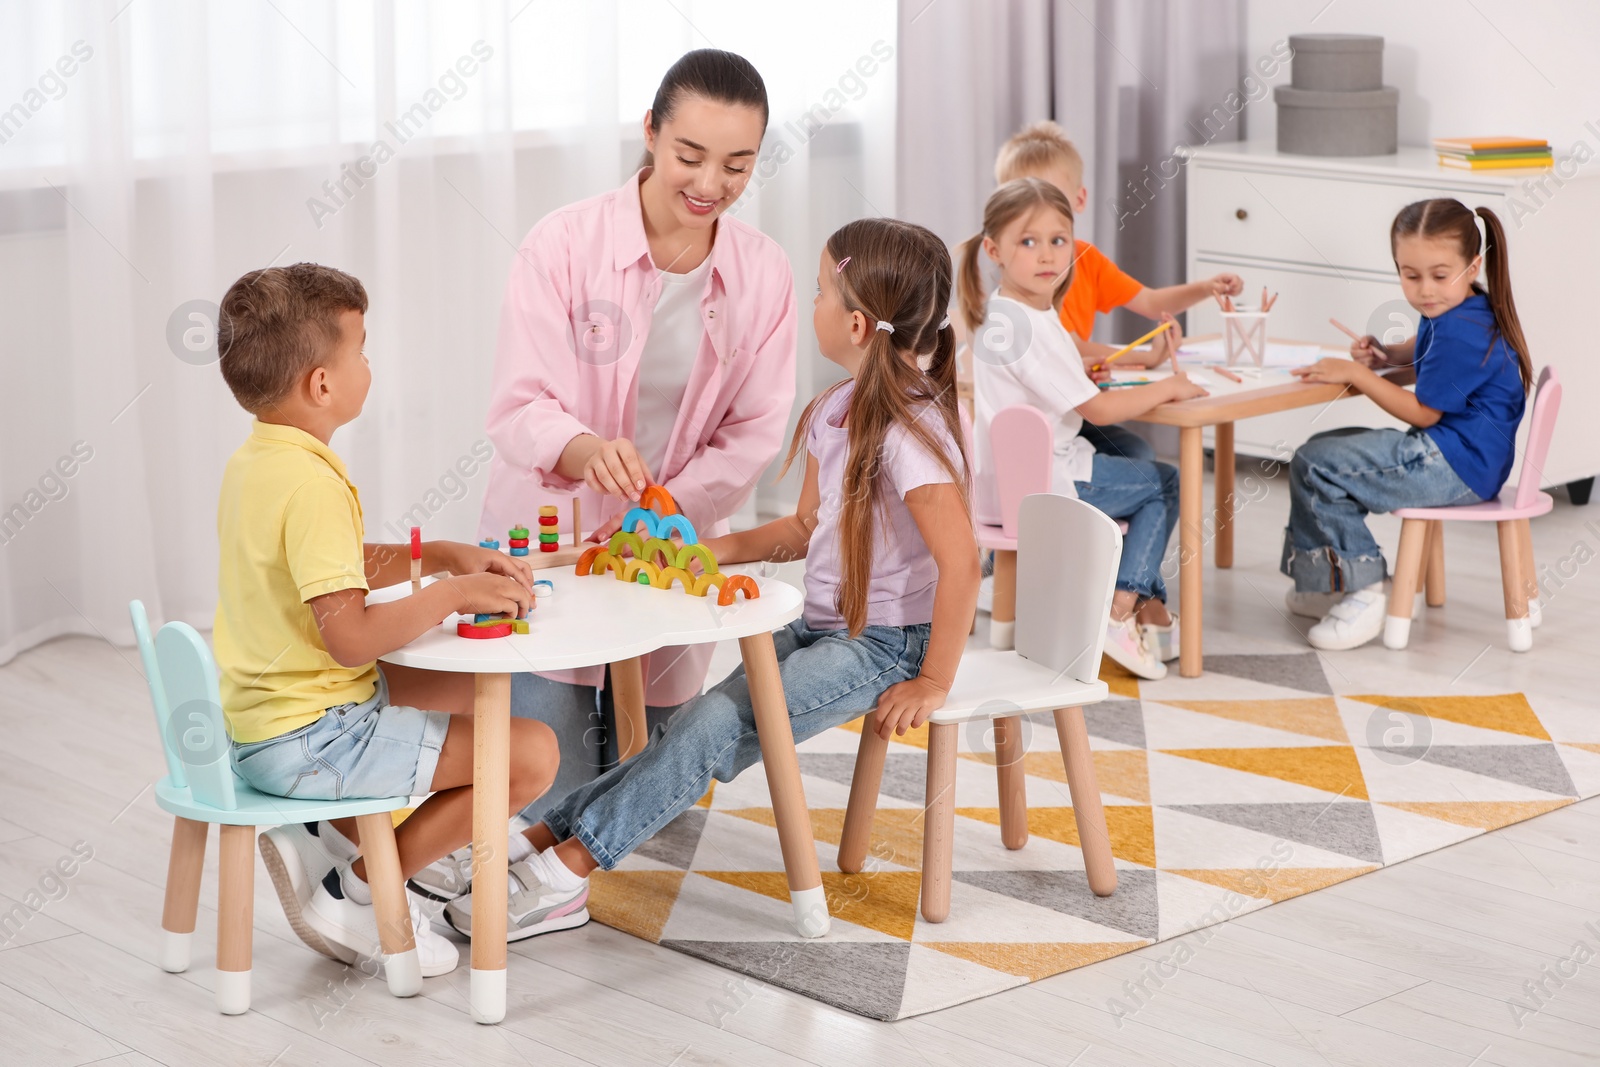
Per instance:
(1336,62)
(1314,123)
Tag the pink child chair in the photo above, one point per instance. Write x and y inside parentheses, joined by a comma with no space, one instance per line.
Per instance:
(1422,536)
(1023,446)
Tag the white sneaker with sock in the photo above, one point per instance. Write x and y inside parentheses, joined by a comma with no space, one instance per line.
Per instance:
(340,910)
(297,857)
(543,896)
(1126,645)
(1163,640)
(450,876)
(1352,622)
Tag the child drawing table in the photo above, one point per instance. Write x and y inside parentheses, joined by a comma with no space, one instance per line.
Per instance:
(1260,393)
(599,620)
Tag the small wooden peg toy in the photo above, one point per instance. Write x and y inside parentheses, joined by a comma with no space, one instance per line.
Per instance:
(416,559)
(577,523)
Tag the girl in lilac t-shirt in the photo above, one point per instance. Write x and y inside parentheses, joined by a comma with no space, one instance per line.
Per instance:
(892,564)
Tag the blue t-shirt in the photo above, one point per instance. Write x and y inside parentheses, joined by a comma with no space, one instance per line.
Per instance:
(1481,400)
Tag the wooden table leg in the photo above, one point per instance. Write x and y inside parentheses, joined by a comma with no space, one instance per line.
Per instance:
(627,700)
(782,765)
(1191,543)
(491,799)
(1222,450)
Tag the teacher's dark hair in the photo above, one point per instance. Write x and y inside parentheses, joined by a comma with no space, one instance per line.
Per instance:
(718,76)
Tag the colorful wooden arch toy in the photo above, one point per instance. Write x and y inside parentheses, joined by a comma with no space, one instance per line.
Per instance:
(685,529)
(659,546)
(656,560)
(656,494)
(632,540)
(708,562)
(664,579)
(736,582)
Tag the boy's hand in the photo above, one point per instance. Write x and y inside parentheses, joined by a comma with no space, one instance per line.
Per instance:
(1366,353)
(615,469)
(463,559)
(906,705)
(490,594)
(1226,284)
(1186,388)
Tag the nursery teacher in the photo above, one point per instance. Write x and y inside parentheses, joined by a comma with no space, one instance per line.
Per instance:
(644,338)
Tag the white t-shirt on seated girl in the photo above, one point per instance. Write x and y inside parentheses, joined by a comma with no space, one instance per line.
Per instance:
(1024,356)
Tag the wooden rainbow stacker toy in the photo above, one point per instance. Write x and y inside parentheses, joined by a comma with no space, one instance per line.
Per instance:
(656,560)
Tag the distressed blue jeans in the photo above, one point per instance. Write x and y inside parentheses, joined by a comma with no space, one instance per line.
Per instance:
(1144,493)
(829,679)
(1335,480)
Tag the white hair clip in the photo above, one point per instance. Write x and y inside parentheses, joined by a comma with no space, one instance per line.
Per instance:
(944,323)
(886,327)
(924,362)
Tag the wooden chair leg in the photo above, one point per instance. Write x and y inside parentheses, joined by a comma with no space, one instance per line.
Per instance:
(1013,781)
(1086,805)
(1519,633)
(1403,590)
(1530,577)
(236,900)
(184,864)
(400,963)
(863,804)
(939,822)
(1003,613)
(1435,557)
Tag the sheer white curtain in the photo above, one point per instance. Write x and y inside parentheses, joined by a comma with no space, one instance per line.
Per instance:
(152,152)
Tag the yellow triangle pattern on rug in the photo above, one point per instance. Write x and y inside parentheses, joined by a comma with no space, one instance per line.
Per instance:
(1188,829)
(1031,959)
(1331,768)
(1315,716)
(1276,885)
(1482,814)
(1508,712)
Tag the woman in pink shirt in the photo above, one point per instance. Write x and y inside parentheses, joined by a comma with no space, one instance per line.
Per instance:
(644,338)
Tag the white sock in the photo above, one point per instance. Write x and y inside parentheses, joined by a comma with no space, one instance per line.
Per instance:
(355,889)
(518,847)
(552,872)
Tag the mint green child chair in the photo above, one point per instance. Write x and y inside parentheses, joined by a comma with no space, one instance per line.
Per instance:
(200,788)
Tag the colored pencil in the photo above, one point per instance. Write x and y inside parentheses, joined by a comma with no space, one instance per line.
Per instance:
(1125,349)
(1342,328)
(1228,374)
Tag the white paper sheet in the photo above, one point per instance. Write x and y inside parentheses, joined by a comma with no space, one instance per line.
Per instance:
(1278,355)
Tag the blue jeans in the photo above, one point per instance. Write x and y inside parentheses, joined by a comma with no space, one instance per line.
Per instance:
(828,679)
(1118,440)
(1145,493)
(1339,476)
(585,725)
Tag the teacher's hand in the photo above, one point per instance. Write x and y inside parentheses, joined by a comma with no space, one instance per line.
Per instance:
(614,467)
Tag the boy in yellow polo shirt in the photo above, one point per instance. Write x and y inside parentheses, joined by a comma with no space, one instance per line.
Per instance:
(309,712)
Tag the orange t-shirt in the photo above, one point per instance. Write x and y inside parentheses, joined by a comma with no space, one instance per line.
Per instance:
(1097,285)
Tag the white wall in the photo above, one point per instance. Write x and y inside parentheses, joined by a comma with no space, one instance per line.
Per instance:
(1520,67)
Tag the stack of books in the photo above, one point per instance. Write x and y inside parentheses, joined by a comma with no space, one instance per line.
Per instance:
(1492,153)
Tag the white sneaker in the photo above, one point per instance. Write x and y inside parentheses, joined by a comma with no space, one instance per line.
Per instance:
(1125,644)
(1163,640)
(986,594)
(1311,605)
(297,860)
(354,927)
(1352,622)
(445,878)
(531,907)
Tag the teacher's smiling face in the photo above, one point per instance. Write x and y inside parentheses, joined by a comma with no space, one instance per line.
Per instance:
(704,156)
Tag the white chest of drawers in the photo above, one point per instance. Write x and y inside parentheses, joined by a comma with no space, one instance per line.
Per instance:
(1316,231)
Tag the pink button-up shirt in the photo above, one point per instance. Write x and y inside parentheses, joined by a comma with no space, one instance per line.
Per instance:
(577,311)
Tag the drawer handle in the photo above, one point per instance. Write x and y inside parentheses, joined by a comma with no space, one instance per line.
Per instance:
(1241,214)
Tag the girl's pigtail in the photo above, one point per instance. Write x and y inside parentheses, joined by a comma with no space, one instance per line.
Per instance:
(1497,268)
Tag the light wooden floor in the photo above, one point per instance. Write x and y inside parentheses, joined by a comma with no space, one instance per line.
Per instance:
(1414,965)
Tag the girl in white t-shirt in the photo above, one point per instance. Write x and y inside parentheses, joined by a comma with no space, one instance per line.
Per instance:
(1023,355)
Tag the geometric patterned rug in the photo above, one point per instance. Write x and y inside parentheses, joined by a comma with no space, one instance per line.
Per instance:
(1223,794)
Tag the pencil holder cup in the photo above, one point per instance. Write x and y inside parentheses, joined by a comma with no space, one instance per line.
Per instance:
(1244,336)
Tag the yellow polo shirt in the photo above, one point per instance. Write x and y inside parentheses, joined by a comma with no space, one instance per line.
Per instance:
(289,525)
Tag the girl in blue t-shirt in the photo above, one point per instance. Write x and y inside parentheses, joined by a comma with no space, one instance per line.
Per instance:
(1472,371)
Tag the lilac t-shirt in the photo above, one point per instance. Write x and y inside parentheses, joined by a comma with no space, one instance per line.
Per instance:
(904,575)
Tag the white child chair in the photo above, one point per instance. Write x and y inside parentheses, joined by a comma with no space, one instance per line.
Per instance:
(1422,536)
(200,788)
(1060,633)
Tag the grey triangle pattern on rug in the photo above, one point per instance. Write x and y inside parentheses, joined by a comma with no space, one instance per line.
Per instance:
(1301,670)
(1536,766)
(905,774)
(1345,827)
(876,970)
(1116,720)
(1133,908)
(677,841)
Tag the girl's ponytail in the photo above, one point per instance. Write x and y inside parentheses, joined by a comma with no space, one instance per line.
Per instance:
(969,285)
(1497,268)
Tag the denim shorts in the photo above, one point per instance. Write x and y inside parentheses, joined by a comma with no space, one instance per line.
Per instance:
(370,749)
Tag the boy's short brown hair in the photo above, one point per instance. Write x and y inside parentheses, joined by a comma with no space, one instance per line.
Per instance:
(278,323)
(1035,148)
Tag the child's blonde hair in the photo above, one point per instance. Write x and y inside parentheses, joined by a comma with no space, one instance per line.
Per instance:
(1037,148)
(1006,204)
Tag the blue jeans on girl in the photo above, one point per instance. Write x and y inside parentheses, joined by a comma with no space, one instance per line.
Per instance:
(1145,493)
(1339,476)
(828,678)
